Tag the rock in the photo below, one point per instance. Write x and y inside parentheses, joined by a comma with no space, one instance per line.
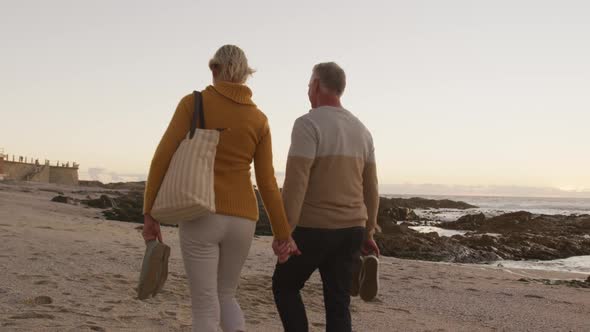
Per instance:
(554,282)
(403,242)
(525,236)
(132,186)
(390,227)
(421,203)
(400,214)
(85,183)
(103,202)
(522,236)
(41,300)
(469,222)
(63,199)
(126,207)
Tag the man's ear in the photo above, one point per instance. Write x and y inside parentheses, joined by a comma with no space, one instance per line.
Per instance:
(316,86)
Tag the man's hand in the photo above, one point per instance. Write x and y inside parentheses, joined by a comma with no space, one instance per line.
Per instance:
(369,246)
(151,229)
(285,249)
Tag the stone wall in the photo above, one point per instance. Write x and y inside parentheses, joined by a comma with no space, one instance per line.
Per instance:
(42,174)
(18,171)
(39,173)
(63,175)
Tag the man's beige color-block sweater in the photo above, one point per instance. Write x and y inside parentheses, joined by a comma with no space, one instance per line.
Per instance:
(331,178)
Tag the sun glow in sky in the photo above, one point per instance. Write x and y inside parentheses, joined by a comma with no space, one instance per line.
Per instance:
(466,93)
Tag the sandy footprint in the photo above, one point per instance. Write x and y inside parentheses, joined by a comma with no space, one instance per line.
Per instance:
(170,313)
(44,227)
(253,321)
(400,310)
(40,300)
(120,279)
(30,276)
(87,327)
(32,315)
(46,282)
(127,318)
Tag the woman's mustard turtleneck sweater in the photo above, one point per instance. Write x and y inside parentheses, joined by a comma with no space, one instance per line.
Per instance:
(246,138)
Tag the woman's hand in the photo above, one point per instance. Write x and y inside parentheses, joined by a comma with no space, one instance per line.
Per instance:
(151,229)
(285,249)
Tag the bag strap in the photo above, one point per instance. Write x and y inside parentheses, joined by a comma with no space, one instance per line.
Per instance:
(197,114)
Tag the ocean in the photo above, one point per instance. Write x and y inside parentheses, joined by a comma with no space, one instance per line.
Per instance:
(538,205)
(495,205)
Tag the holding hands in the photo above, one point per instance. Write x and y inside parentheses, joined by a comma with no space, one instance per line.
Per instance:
(285,249)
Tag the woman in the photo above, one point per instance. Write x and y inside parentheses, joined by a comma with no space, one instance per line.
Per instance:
(215,247)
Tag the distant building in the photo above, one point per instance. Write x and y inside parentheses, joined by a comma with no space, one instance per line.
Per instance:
(1,164)
(29,169)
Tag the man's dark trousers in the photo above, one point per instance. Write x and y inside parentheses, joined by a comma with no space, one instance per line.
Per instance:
(331,251)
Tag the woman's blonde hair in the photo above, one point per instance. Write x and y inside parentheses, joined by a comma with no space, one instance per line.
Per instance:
(231,64)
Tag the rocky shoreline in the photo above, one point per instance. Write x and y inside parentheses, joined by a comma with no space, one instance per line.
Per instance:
(511,236)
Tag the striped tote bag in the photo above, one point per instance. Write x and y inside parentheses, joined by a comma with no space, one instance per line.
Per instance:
(187,190)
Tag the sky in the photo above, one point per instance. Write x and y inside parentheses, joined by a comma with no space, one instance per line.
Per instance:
(486,94)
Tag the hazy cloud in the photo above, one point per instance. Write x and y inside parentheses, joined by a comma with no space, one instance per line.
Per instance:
(106,176)
(458,190)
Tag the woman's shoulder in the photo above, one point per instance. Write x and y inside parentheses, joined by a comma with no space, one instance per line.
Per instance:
(187,102)
(259,114)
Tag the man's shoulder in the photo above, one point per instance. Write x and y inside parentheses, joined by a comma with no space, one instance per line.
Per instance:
(305,117)
(305,120)
(360,125)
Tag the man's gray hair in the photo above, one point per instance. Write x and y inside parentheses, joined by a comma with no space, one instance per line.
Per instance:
(331,77)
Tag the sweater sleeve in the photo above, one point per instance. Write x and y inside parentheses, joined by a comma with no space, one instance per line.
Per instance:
(302,154)
(371,191)
(176,132)
(267,185)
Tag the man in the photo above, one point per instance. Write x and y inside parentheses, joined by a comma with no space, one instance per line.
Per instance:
(331,199)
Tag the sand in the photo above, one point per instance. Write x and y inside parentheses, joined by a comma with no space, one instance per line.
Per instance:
(65,268)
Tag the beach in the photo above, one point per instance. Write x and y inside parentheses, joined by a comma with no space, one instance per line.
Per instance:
(66,268)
